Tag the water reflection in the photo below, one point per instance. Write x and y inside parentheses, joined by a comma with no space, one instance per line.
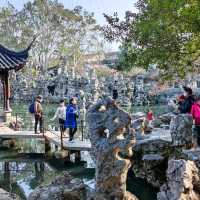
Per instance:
(22,173)
(6,174)
(21,177)
(8,181)
(39,174)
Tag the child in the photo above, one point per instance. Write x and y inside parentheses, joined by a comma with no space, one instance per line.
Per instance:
(61,115)
(195,111)
(149,117)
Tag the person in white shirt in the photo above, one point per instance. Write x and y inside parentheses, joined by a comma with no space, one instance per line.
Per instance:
(60,114)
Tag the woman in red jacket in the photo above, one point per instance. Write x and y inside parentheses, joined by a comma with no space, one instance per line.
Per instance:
(195,111)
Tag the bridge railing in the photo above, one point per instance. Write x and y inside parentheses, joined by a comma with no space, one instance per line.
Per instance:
(54,128)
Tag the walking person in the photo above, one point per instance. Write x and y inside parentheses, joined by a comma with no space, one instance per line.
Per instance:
(38,114)
(71,118)
(60,114)
(195,111)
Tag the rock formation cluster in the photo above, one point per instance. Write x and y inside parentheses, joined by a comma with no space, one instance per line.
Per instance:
(161,158)
(183,182)
(181,130)
(112,140)
(58,83)
(62,188)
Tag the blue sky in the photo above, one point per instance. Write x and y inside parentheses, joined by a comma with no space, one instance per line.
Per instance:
(96,6)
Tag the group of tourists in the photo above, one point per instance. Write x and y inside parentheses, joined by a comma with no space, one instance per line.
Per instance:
(66,115)
(187,103)
(190,104)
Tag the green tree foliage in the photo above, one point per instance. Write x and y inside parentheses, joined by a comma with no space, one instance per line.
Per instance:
(127,57)
(166,33)
(62,34)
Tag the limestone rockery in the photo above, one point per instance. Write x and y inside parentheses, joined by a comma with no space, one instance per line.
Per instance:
(59,83)
(163,158)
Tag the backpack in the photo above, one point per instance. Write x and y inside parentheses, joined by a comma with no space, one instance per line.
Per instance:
(32,108)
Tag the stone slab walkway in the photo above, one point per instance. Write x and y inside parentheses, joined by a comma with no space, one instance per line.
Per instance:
(76,145)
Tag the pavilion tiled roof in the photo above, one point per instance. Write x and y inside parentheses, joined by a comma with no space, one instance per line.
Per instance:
(10,60)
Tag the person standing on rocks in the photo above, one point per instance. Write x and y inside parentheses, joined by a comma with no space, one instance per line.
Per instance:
(60,114)
(38,114)
(195,111)
(115,92)
(186,105)
(71,118)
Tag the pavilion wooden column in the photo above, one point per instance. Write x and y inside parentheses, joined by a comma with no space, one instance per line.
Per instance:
(4,91)
(2,81)
(7,92)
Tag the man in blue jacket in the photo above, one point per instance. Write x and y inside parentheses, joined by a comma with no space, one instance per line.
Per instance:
(71,118)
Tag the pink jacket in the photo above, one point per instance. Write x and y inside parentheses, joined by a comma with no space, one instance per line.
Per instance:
(195,112)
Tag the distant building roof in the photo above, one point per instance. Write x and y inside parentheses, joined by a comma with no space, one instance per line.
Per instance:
(12,60)
(108,58)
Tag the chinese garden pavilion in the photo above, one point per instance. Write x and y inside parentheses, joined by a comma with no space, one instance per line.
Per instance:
(10,60)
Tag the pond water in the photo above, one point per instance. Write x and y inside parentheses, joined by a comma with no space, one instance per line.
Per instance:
(49,109)
(21,173)
(21,111)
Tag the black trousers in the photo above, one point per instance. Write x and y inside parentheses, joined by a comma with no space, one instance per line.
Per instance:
(72,132)
(38,120)
(62,125)
(196,134)
(115,94)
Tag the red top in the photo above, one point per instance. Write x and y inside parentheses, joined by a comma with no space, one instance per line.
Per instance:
(195,111)
(149,116)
